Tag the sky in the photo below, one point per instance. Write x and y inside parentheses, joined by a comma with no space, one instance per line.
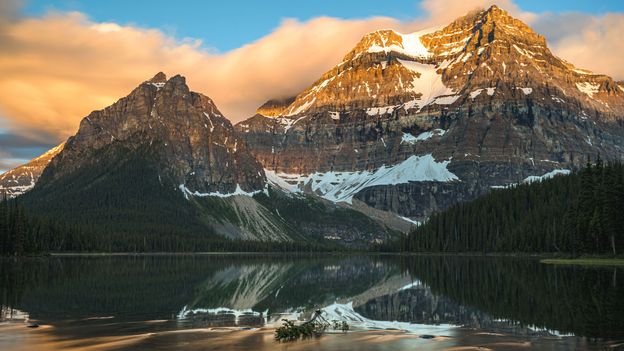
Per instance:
(207,20)
(61,59)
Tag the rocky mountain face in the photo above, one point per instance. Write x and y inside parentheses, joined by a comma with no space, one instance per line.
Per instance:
(198,149)
(23,178)
(413,123)
(164,160)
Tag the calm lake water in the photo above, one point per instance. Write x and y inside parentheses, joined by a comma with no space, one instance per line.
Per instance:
(231,301)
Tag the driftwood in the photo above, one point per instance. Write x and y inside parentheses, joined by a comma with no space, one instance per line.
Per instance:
(317,316)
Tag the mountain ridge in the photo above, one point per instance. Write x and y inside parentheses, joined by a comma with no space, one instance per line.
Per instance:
(404,126)
(483,95)
(164,161)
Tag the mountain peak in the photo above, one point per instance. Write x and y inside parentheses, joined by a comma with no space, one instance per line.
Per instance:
(479,29)
(385,41)
(496,11)
(160,77)
(388,71)
(190,142)
(177,84)
(174,86)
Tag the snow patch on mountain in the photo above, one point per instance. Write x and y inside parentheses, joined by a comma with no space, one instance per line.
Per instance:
(548,175)
(295,110)
(526,91)
(411,45)
(414,222)
(376,111)
(158,85)
(237,191)
(582,71)
(588,88)
(285,181)
(446,100)
(416,283)
(426,82)
(475,93)
(411,139)
(342,186)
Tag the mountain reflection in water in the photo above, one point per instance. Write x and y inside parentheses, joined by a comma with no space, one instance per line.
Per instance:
(421,294)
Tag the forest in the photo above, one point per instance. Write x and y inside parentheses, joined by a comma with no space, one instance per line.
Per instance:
(575,214)
(22,234)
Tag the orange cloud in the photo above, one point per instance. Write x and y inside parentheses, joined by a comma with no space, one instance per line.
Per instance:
(443,12)
(56,69)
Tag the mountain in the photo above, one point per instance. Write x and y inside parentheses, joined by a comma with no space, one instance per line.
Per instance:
(23,178)
(163,161)
(404,126)
(196,147)
(413,123)
(275,107)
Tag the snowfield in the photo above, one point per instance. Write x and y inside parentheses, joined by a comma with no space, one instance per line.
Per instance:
(342,186)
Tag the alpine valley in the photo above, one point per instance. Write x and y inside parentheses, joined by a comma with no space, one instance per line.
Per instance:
(405,126)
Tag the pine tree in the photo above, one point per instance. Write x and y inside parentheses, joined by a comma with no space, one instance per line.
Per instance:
(19,231)
(4,226)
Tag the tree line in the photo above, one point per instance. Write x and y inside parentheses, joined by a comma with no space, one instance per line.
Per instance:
(575,214)
(24,234)
(119,203)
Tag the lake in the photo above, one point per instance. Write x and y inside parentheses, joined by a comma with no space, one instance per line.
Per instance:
(217,302)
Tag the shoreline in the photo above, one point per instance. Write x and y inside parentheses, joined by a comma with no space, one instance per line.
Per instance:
(544,258)
(606,262)
(262,338)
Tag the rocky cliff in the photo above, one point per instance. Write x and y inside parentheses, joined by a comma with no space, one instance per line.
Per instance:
(198,149)
(412,123)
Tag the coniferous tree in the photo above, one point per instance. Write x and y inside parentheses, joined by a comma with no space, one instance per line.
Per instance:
(4,226)
(576,214)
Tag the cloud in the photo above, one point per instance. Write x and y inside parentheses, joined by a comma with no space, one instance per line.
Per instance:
(280,64)
(55,69)
(443,12)
(17,149)
(591,42)
(7,163)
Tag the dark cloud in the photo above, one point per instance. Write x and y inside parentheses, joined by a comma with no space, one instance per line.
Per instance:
(17,149)
(12,140)
(9,10)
